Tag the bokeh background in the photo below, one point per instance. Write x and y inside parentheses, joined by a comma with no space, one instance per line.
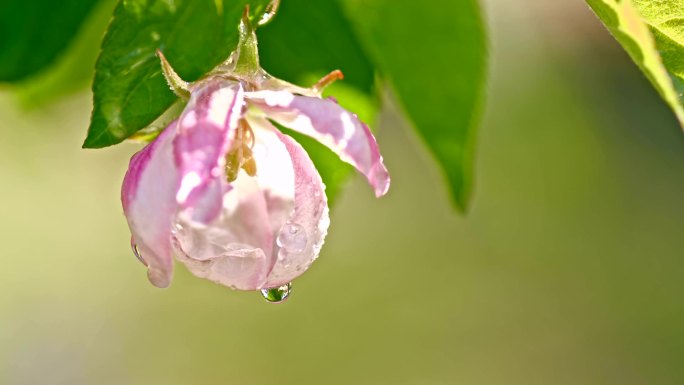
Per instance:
(568,269)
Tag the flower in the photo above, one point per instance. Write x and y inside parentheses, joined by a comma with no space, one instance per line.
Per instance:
(232,197)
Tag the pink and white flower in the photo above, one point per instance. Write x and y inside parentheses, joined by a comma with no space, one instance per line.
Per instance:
(234,199)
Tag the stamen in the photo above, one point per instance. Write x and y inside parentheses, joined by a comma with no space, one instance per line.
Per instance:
(232,167)
(249,164)
(249,134)
(240,156)
(328,80)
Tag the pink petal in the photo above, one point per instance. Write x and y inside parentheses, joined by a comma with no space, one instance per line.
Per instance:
(300,238)
(330,124)
(237,248)
(229,251)
(149,200)
(206,130)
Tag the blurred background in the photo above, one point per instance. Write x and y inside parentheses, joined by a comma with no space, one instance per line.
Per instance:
(568,269)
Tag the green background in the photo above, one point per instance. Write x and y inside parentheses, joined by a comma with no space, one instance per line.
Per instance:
(567,270)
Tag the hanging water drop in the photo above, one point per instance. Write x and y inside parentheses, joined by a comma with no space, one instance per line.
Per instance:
(292,238)
(277,294)
(137,254)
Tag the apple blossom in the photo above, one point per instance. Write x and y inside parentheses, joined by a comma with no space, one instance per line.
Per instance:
(233,198)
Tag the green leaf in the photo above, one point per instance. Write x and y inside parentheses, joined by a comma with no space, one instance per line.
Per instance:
(313,38)
(307,40)
(129,90)
(652,33)
(433,53)
(34,32)
(73,69)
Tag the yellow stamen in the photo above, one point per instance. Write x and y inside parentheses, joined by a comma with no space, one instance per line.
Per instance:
(240,157)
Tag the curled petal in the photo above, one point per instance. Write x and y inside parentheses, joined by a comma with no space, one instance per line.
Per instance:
(301,236)
(330,124)
(205,133)
(149,201)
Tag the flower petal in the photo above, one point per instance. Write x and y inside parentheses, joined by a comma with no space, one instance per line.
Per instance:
(330,124)
(300,238)
(230,251)
(237,248)
(205,133)
(149,200)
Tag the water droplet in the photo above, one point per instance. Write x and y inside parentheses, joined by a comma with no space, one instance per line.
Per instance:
(277,294)
(177,228)
(292,238)
(137,254)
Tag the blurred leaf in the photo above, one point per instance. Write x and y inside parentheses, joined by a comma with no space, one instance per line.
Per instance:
(433,53)
(34,32)
(129,90)
(73,69)
(307,40)
(634,25)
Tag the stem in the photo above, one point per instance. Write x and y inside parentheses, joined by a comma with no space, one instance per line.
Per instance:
(247,54)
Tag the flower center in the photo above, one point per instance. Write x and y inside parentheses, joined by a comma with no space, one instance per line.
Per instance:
(241,157)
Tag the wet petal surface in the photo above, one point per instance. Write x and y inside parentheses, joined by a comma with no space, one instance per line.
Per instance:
(330,124)
(237,249)
(149,200)
(206,130)
(301,236)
